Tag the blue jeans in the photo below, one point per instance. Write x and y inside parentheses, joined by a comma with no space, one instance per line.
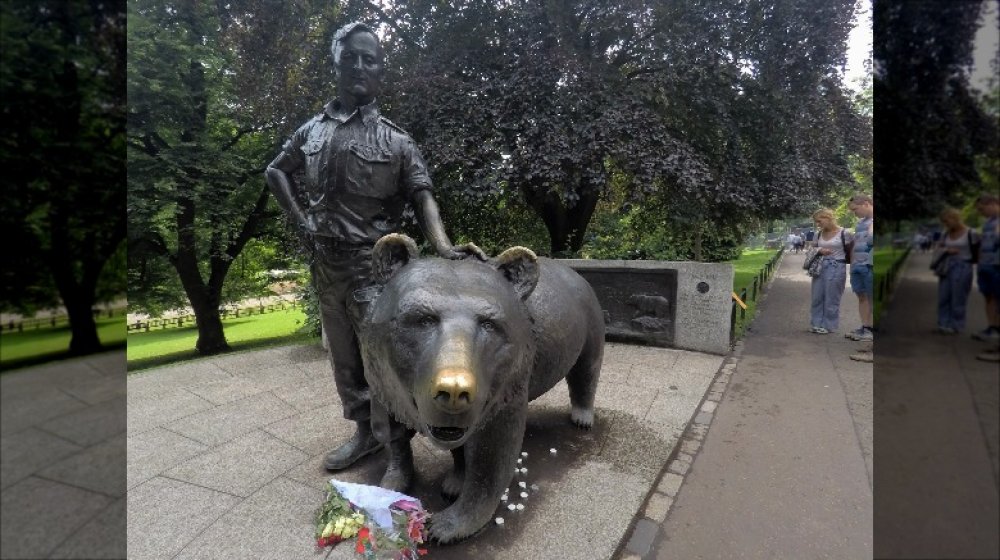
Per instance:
(953,294)
(827,289)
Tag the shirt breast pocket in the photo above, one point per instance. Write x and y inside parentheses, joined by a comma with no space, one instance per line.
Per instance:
(371,171)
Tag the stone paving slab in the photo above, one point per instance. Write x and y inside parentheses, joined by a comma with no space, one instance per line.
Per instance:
(223,423)
(39,514)
(164,515)
(258,458)
(63,459)
(153,452)
(100,468)
(241,466)
(270,524)
(102,537)
(91,425)
(28,451)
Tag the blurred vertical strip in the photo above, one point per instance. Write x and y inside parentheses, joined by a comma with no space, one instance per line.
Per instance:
(62,222)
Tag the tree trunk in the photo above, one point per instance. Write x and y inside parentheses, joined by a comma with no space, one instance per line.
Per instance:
(566,225)
(84,339)
(697,245)
(211,335)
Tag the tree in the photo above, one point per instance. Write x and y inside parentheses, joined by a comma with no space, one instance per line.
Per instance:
(62,149)
(200,136)
(936,126)
(718,110)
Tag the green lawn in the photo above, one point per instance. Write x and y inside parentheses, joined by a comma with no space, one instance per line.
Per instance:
(745,269)
(34,346)
(157,347)
(883,259)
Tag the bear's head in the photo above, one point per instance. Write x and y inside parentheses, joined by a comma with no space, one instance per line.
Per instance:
(447,343)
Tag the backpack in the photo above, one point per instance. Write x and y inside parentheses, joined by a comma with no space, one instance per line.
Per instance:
(848,247)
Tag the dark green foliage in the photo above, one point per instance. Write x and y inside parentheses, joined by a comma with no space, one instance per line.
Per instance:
(200,136)
(729,109)
(932,124)
(62,148)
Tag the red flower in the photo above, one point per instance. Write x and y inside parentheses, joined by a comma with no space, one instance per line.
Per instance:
(363,536)
(421,551)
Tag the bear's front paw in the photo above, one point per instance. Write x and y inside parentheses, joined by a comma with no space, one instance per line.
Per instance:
(582,417)
(452,525)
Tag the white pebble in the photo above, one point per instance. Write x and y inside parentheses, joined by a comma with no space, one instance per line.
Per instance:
(524,494)
(518,461)
(506,490)
(534,487)
(520,507)
(524,454)
(524,470)
(522,484)
(499,520)
(516,470)
(503,498)
(511,507)
(552,451)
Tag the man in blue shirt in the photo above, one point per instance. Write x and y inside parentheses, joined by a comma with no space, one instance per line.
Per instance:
(988,273)
(862,274)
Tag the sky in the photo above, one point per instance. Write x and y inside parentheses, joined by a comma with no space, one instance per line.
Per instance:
(859,46)
(987,46)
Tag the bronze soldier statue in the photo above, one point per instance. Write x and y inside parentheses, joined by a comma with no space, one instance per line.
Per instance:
(360,170)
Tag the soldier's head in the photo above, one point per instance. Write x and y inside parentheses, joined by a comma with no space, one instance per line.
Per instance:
(357,62)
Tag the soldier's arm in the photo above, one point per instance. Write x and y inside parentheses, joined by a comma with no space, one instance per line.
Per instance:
(279,179)
(429,218)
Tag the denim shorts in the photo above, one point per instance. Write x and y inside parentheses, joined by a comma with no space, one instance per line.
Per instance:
(988,279)
(863,280)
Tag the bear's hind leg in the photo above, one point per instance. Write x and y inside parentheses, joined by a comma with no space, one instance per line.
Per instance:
(582,382)
(452,485)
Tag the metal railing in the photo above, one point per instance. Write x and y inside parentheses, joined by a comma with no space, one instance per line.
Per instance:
(188,319)
(34,323)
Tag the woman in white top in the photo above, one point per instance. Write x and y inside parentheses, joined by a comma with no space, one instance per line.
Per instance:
(955,285)
(828,288)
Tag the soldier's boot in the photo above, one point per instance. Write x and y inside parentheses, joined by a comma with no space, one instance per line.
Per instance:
(362,443)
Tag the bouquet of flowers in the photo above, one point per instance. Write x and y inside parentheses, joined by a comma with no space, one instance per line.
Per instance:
(386,525)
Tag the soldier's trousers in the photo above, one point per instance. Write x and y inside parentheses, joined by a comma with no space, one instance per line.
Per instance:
(335,281)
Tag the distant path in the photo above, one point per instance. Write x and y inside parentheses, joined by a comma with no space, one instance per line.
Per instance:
(786,468)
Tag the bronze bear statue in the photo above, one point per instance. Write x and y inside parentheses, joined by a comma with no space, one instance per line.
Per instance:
(455,349)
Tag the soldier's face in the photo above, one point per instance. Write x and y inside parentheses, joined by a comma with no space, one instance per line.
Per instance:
(359,72)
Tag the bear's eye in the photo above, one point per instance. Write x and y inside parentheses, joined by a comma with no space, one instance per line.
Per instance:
(488,325)
(427,320)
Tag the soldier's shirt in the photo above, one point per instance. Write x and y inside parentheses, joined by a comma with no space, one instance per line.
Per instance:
(360,171)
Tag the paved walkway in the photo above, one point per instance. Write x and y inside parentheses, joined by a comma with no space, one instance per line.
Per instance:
(937,417)
(225,457)
(62,463)
(785,470)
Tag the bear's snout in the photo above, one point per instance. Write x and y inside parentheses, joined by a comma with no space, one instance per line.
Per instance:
(454,390)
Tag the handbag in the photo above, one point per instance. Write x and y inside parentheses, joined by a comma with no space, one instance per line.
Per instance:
(814,262)
(940,264)
(816,267)
(811,254)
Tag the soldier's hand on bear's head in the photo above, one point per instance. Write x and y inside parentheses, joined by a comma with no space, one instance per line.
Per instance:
(465,251)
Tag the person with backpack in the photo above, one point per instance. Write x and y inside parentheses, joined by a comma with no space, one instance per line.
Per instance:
(957,252)
(862,275)
(834,244)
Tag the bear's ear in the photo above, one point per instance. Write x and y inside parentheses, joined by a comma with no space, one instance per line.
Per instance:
(390,254)
(520,266)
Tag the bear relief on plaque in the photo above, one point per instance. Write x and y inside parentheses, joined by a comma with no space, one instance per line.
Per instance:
(652,313)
